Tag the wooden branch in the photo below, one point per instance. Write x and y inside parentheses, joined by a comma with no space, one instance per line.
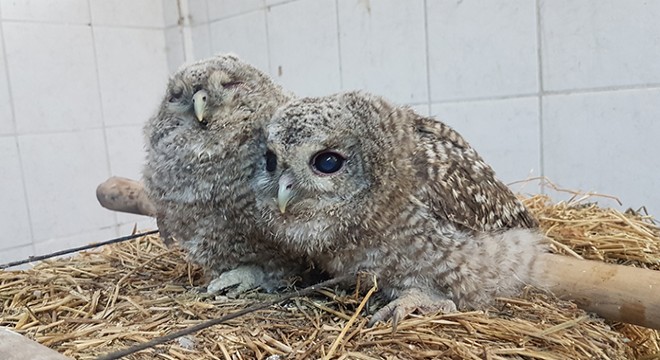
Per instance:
(615,292)
(125,195)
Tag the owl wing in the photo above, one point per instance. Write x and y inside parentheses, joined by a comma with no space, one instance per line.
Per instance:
(460,186)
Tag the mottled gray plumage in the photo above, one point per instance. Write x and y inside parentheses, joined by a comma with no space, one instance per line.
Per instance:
(413,203)
(203,146)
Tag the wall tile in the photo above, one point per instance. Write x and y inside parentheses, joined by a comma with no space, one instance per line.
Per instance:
(143,13)
(41,65)
(129,221)
(277,2)
(304,48)
(126,151)
(174,49)
(60,11)
(598,43)
(482,49)
(605,142)
(62,172)
(244,35)
(421,109)
(133,73)
(51,245)
(16,254)
(504,132)
(6,116)
(201,41)
(198,12)
(383,48)
(14,220)
(220,9)
(170,12)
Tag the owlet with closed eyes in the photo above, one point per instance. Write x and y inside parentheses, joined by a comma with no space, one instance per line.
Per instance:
(203,146)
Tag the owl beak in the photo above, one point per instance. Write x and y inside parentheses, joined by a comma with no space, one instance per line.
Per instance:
(284,192)
(199,104)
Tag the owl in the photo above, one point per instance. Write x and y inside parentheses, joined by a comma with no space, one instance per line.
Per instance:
(203,145)
(357,184)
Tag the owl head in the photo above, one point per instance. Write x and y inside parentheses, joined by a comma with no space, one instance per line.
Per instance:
(204,129)
(331,164)
(214,91)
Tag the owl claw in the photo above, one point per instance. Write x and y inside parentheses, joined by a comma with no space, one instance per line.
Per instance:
(409,301)
(237,281)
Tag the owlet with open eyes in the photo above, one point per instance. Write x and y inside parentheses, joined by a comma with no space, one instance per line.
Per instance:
(357,184)
(203,145)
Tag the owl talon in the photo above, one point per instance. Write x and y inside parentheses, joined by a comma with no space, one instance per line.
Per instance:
(237,281)
(412,300)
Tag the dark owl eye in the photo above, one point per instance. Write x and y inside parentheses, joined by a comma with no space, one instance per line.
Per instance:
(271,161)
(327,162)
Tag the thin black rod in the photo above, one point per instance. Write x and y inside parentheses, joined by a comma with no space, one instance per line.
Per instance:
(69,251)
(163,339)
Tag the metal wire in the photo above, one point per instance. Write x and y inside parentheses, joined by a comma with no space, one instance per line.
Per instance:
(72,250)
(206,324)
(163,339)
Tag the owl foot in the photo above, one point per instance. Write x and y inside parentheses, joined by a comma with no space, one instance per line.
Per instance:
(237,281)
(409,301)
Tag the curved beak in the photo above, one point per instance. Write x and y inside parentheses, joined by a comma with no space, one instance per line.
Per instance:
(284,192)
(199,104)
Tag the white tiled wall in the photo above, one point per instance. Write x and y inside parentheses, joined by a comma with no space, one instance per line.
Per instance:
(605,141)
(243,34)
(6,116)
(482,49)
(304,46)
(594,44)
(50,83)
(570,90)
(129,89)
(78,78)
(383,46)
(504,131)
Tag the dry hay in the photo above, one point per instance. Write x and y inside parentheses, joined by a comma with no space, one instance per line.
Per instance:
(97,302)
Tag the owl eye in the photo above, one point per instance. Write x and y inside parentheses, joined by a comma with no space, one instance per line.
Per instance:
(327,162)
(271,161)
(175,94)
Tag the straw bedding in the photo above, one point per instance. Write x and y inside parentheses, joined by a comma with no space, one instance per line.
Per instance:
(129,293)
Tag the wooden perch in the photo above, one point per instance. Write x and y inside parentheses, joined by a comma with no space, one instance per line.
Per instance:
(125,195)
(615,292)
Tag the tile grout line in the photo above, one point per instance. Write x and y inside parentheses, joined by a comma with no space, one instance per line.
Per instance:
(586,91)
(539,55)
(208,26)
(341,73)
(15,136)
(77,130)
(100,97)
(601,89)
(86,24)
(270,60)
(245,12)
(428,58)
(185,30)
(486,98)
